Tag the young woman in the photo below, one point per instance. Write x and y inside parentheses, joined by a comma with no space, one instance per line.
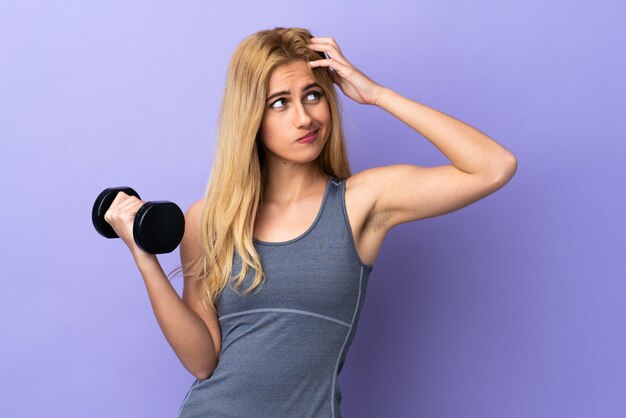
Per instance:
(284,218)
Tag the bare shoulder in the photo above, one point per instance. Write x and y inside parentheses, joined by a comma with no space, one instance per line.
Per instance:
(196,207)
(189,251)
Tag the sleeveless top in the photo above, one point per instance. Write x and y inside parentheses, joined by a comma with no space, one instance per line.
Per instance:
(283,347)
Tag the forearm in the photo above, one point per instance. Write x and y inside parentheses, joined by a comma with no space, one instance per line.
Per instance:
(184,330)
(467,148)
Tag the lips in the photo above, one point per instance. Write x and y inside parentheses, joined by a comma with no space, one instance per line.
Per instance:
(308,136)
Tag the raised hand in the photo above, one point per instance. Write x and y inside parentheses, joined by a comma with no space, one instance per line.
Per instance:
(352,82)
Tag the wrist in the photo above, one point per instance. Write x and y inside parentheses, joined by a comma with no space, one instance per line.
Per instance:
(380,97)
(142,258)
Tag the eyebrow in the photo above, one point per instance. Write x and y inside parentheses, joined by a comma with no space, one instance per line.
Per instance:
(287,92)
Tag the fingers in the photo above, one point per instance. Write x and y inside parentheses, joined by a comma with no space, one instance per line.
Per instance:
(325,40)
(331,50)
(123,204)
(332,64)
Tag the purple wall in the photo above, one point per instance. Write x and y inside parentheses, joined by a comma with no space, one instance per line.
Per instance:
(511,307)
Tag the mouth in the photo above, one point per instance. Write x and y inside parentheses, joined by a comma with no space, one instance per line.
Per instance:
(310,137)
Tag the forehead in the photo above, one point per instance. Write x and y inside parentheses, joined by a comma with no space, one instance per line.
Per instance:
(295,72)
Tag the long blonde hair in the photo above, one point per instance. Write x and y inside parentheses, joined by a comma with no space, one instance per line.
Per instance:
(235,186)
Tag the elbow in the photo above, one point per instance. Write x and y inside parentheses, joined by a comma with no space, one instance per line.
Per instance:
(505,169)
(204,367)
(204,371)
(203,374)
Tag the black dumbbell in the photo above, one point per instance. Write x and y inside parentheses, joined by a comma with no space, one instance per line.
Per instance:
(158,227)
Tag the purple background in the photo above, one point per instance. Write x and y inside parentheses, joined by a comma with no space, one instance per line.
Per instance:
(511,307)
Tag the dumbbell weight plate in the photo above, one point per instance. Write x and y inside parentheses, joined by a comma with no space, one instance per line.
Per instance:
(102,204)
(159,227)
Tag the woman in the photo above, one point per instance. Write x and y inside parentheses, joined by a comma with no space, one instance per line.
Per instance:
(284,219)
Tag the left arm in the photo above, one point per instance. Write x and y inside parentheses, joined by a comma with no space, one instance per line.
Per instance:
(403,192)
(469,150)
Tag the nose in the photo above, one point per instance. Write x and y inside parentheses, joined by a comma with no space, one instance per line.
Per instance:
(302,117)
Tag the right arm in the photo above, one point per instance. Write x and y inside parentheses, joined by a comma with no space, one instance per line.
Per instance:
(193,333)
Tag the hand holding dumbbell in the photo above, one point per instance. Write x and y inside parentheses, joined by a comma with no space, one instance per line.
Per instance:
(153,227)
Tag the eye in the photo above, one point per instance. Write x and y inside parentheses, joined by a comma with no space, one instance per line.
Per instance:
(272,105)
(316,93)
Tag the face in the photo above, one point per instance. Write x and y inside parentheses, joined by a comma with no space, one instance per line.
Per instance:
(296,106)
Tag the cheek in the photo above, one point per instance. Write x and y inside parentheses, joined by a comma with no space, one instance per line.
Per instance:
(271,138)
(326,119)
(270,124)
(324,114)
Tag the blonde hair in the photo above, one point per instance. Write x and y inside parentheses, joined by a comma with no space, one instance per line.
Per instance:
(234,189)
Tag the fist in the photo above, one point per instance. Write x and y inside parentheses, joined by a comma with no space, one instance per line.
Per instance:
(121,216)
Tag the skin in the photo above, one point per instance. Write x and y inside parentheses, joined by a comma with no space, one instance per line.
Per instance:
(294,183)
(377,199)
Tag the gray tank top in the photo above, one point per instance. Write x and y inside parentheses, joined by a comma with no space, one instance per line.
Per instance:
(283,347)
